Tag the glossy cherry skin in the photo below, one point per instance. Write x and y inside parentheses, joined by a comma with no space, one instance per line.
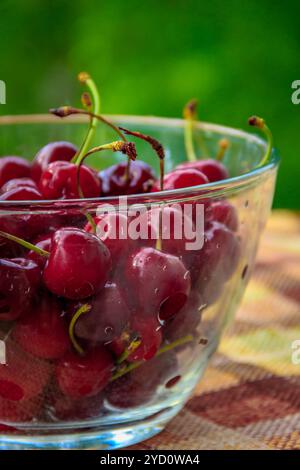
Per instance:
(147,330)
(225,213)
(217,261)
(212,169)
(139,386)
(23,376)
(112,229)
(59,181)
(78,266)
(44,242)
(182,178)
(13,167)
(43,332)
(21,193)
(187,319)
(51,152)
(114,179)
(18,183)
(159,282)
(19,281)
(84,376)
(107,318)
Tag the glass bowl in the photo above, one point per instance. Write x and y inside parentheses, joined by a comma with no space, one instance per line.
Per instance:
(176,304)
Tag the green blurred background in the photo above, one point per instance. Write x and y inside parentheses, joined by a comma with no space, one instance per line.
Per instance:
(149,57)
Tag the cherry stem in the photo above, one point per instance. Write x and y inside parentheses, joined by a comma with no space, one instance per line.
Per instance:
(168,347)
(135,343)
(85,79)
(223,146)
(159,150)
(25,244)
(85,308)
(189,115)
(127,148)
(260,124)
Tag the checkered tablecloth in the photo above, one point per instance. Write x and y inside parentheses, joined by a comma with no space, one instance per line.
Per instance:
(249,397)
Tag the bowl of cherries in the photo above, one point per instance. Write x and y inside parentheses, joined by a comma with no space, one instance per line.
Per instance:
(126,244)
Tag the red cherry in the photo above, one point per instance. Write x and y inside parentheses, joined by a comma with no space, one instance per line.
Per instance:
(19,411)
(225,213)
(159,281)
(187,320)
(18,183)
(19,280)
(147,330)
(65,408)
(44,242)
(217,261)
(139,386)
(59,181)
(13,167)
(112,229)
(182,178)
(22,376)
(114,179)
(212,169)
(51,153)
(107,318)
(21,193)
(84,376)
(78,266)
(43,333)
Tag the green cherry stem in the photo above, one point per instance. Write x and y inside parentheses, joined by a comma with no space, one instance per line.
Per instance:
(189,115)
(260,124)
(135,343)
(128,368)
(81,311)
(24,243)
(86,80)
(160,152)
(223,146)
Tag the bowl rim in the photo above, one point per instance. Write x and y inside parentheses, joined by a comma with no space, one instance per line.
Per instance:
(230,184)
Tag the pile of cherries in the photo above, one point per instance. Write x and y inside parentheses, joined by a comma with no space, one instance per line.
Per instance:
(89,320)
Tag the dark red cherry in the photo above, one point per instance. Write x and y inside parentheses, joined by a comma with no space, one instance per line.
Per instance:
(44,242)
(19,280)
(84,376)
(107,318)
(182,178)
(159,282)
(51,153)
(59,181)
(147,330)
(18,183)
(43,332)
(187,320)
(225,213)
(114,181)
(21,193)
(112,229)
(65,408)
(23,376)
(13,167)
(19,411)
(217,261)
(78,266)
(212,169)
(139,386)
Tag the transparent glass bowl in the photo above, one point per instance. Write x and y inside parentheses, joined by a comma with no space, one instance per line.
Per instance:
(140,403)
